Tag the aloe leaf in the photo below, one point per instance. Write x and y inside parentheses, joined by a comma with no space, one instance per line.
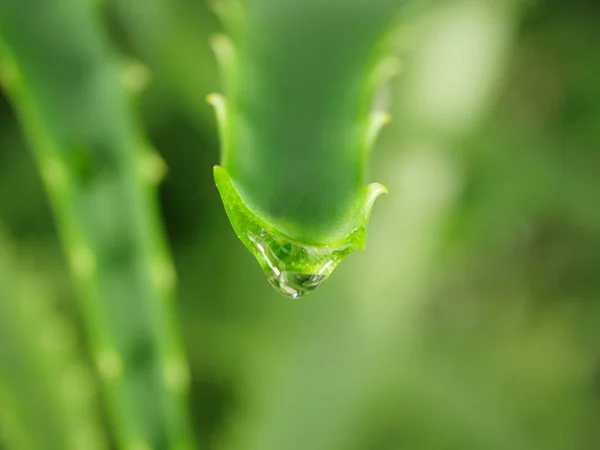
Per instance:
(47,392)
(101,174)
(297,123)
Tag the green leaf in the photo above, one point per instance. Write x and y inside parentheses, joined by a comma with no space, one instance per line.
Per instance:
(295,267)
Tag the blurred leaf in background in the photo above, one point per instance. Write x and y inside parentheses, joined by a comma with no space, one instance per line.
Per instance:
(472,319)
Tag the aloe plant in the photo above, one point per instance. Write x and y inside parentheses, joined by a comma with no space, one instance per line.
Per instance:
(45,385)
(297,123)
(101,176)
(361,362)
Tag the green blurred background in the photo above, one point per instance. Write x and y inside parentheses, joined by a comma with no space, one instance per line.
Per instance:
(472,319)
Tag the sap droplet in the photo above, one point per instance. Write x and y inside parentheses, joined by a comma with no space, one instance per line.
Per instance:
(294,269)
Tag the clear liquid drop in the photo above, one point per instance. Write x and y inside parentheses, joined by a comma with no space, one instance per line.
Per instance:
(296,285)
(294,269)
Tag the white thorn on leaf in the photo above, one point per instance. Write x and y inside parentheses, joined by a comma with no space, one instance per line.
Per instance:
(110,364)
(176,375)
(223,49)
(83,262)
(152,167)
(135,76)
(377,121)
(372,192)
(54,174)
(163,275)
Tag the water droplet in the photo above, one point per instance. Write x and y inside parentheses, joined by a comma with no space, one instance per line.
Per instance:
(296,285)
(295,269)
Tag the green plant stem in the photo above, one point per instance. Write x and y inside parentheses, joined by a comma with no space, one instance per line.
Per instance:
(44,384)
(101,176)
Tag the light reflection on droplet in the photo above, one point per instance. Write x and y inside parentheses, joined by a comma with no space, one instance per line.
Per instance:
(285,263)
(296,285)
